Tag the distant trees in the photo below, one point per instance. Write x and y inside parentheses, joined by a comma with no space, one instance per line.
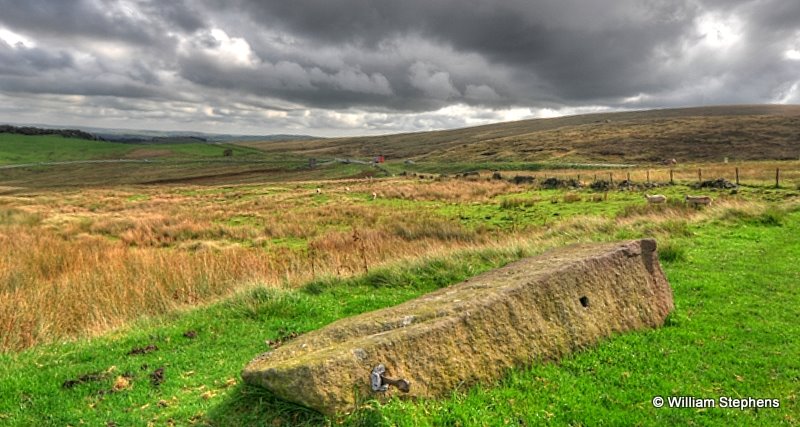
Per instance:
(29,130)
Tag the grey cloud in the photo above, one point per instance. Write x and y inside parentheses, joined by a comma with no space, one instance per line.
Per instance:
(22,60)
(353,80)
(76,86)
(583,50)
(572,52)
(74,18)
(177,12)
(142,73)
(394,65)
(432,82)
(481,93)
(291,82)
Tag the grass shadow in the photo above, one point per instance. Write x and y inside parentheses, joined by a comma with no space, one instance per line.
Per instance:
(255,406)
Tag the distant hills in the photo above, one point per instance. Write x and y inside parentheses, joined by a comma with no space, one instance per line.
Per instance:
(742,132)
(130,136)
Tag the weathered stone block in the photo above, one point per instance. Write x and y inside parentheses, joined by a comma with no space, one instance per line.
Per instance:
(534,309)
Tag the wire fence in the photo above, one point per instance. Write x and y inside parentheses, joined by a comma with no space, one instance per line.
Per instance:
(784,175)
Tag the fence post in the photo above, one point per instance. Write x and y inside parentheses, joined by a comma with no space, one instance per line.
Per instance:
(629,177)
(737,176)
(671,182)
(699,175)
(777,177)
(648,176)
(611,177)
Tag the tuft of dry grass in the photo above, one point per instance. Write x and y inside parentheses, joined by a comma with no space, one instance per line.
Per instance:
(453,190)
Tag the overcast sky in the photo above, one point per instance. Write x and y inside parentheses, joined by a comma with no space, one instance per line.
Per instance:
(350,67)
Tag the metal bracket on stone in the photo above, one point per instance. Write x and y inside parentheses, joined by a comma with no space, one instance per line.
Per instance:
(381,383)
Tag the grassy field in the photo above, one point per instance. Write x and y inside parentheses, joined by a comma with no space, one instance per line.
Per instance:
(16,149)
(79,262)
(116,254)
(47,162)
(731,335)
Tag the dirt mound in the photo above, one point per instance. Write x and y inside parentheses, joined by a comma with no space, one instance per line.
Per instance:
(535,309)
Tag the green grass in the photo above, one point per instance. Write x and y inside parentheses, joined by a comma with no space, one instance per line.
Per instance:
(733,334)
(16,149)
(228,335)
(534,208)
(198,163)
(52,148)
(206,151)
(671,252)
(344,170)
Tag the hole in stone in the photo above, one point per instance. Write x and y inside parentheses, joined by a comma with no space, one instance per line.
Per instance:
(585,301)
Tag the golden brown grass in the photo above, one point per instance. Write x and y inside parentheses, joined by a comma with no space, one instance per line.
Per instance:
(79,263)
(446,190)
(645,139)
(709,134)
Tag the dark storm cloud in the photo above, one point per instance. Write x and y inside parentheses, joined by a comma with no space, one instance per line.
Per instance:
(118,87)
(580,50)
(176,12)
(570,52)
(394,65)
(73,19)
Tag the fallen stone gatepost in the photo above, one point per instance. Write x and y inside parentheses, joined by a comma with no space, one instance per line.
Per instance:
(535,309)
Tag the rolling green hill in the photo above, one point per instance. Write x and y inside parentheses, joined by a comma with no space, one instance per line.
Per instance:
(757,132)
(46,161)
(17,149)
